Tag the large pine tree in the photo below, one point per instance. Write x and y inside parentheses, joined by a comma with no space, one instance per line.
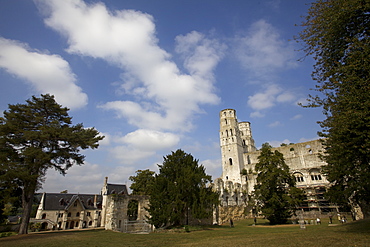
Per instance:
(337,34)
(275,193)
(35,137)
(181,191)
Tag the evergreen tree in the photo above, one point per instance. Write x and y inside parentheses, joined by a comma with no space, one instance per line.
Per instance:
(142,183)
(180,191)
(275,193)
(337,34)
(37,136)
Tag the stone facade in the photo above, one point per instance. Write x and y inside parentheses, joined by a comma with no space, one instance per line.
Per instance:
(76,211)
(239,157)
(118,217)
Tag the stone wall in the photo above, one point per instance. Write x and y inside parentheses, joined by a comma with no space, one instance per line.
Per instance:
(224,214)
(117,207)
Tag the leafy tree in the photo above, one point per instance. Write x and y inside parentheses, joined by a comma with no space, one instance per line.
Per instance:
(10,198)
(275,193)
(337,34)
(37,136)
(142,183)
(180,191)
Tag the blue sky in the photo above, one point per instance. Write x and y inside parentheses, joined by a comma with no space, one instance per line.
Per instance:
(152,76)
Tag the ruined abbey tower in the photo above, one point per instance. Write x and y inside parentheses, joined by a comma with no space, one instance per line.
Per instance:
(239,157)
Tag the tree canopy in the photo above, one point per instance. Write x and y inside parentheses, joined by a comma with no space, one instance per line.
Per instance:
(142,183)
(181,191)
(35,137)
(337,34)
(275,193)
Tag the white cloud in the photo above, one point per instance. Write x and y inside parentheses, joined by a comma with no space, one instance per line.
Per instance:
(298,116)
(87,178)
(277,143)
(262,51)
(141,144)
(275,124)
(44,72)
(213,167)
(151,140)
(167,98)
(265,99)
(285,97)
(256,114)
(271,95)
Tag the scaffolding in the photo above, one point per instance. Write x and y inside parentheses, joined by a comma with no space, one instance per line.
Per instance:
(136,226)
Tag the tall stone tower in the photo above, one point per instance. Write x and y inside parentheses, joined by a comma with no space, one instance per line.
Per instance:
(231,147)
(246,136)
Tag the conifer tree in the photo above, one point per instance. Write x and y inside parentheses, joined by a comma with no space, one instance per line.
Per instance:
(275,193)
(337,34)
(181,191)
(142,183)
(35,137)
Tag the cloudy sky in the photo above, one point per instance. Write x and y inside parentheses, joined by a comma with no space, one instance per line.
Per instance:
(152,76)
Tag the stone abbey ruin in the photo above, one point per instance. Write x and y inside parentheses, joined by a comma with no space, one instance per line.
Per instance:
(110,207)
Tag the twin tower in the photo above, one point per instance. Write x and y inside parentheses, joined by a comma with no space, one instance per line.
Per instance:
(235,140)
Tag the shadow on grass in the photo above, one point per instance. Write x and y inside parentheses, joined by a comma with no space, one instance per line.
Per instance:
(361,226)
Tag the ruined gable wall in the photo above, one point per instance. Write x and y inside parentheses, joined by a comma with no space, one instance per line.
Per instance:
(117,206)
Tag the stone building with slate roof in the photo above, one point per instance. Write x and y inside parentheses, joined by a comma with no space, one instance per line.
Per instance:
(76,211)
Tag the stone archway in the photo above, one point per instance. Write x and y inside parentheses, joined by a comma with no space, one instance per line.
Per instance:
(132,210)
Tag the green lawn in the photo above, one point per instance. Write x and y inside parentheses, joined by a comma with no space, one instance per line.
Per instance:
(243,234)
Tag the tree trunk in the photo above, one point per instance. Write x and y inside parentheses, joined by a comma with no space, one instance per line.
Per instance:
(365,208)
(27,201)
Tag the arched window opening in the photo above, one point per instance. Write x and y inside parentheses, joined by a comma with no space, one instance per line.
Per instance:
(225,121)
(227,133)
(315,175)
(132,210)
(298,177)
(231,132)
(90,223)
(43,216)
(78,214)
(69,214)
(231,161)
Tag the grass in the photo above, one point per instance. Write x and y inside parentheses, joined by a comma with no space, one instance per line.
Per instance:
(243,234)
